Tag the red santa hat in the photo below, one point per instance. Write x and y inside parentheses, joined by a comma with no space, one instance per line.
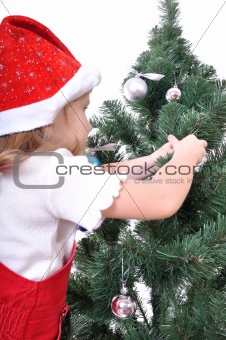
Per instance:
(38,75)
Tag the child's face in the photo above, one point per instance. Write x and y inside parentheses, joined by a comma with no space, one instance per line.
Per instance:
(72,125)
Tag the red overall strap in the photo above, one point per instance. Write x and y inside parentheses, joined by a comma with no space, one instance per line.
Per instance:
(5,169)
(32,310)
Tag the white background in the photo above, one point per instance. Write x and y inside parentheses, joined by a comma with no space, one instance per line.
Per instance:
(112,33)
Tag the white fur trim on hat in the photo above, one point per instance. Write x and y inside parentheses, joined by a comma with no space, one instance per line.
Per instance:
(42,113)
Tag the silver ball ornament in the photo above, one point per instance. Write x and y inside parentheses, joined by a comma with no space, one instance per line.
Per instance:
(173,94)
(135,89)
(123,306)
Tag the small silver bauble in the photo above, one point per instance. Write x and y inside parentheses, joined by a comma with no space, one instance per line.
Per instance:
(123,306)
(173,94)
(135,89)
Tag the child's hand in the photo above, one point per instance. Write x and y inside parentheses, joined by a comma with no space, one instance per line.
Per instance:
(191,144)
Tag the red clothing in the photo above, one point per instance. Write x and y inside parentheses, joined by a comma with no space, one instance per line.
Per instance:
(32,310)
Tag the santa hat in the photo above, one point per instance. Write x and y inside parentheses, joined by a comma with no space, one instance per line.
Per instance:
(38,75)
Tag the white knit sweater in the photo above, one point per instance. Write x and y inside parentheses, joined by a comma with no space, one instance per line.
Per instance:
(38,225)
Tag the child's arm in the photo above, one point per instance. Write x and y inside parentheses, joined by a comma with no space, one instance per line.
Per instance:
(139,168)
(164,195)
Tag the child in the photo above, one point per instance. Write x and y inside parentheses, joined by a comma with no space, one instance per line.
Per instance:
(45,195)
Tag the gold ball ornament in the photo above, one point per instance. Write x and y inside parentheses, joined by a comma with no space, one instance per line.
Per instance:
(173,94)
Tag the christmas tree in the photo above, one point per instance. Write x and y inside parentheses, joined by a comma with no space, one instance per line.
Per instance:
(174,269)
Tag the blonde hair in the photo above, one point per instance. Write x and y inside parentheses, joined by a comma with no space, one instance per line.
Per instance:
(38,140)
(41,139)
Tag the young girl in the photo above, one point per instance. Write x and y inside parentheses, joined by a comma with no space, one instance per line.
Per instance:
(47,185)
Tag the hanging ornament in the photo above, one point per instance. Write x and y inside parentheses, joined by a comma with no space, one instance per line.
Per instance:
(173,93)
(123,305)
(135,89)
(94,160)
(91,153)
